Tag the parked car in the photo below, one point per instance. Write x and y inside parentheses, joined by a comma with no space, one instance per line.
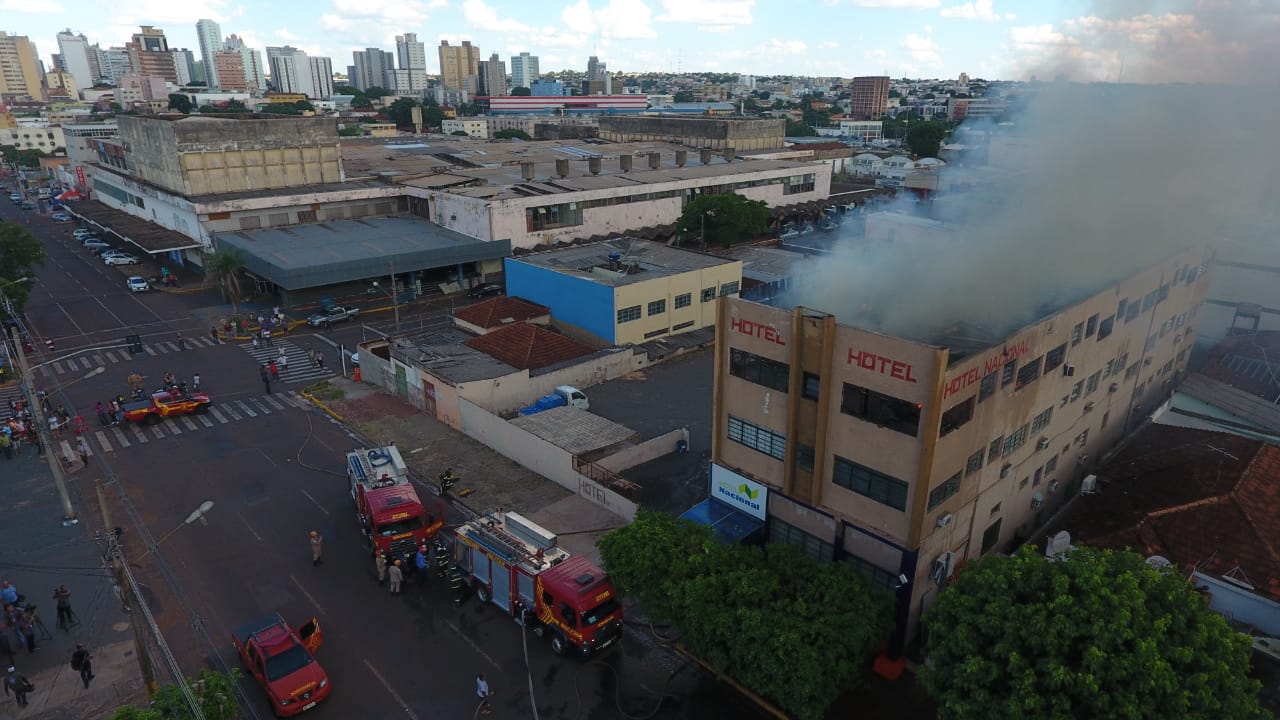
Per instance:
(96,244)
(119,259)
(61,217)
(15,197)
(27,205)
(482,291)
(82,233)
(330,315)
(137,284)
(789,235)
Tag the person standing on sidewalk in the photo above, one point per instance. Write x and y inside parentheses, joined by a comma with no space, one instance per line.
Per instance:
(275,370)
(317,548)
(82,448)
(484,693)
(63,596)
(395,577)
(81,660)
(19,684)
(380,564)
(266,379)
(283,361)
(311,356)
(26,627)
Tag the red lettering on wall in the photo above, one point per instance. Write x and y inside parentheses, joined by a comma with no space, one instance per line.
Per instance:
(990,365)
(768,333)
(882,365)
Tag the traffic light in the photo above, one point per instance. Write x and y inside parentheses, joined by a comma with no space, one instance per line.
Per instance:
(135,344)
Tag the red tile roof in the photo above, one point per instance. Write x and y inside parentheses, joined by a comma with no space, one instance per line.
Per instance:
(529,347)
(1247,362)
(498,311)
(1204,500)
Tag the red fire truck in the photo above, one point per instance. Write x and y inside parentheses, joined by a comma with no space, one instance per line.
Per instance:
(518,566)
(391,515)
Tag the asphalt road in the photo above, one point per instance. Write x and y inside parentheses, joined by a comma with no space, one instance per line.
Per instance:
(271,466)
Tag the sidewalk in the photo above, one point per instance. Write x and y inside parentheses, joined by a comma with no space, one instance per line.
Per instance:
(37,553)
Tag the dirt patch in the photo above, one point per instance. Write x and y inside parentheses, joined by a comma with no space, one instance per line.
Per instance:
(373,407)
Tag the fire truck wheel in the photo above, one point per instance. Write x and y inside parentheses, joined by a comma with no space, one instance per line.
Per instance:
(482,592)
(559,645)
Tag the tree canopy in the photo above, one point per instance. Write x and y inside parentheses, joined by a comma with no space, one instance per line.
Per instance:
(25,157)
(214,691)
(223,267)
(511,134)
(180,102)
(401,112)
(358,98)
(765,617)
(725,218)
(925,139)
(1094,634)
(683,96)
(796,129)
(21,253)
(521,91)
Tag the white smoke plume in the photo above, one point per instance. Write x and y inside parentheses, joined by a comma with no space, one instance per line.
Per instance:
(1108,178)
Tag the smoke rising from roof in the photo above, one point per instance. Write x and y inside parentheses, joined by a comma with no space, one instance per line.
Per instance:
(1096,182)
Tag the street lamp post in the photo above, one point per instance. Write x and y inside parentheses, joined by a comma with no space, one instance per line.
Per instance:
(41,430)
(395,297)
(197,514)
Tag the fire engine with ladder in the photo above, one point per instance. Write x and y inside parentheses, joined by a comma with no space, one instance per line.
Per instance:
(518,566)
(391,515)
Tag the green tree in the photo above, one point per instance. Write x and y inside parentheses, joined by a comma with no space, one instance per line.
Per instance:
(223,267)
(521,91)
(376,92)
(350,131)
(925,139)
(765,94)
(463,133)
(215,692)
(511,134)
(799,129)
(180,102)
(683,96)
(1095,634)
(741,609)
(116,107)
(358,98)
(726,217)
(432,116)
(21,253)
(401,111)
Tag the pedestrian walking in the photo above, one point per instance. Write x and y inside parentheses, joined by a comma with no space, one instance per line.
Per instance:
(262,321)
(442,559)
(182,344)
(266,337)
(255,341)
(82,448)
(395,576)
(283,361)
(484,693)
(320,360)
(6,645)
(81,660)
(266,379)
(380,564)
(19,684)
(6,444)
(102,414)
(275,370)
(63,596)
(115,412)
(195,382)
(317,548)
(213,334)
(311,356)
(458,586)
(420,562)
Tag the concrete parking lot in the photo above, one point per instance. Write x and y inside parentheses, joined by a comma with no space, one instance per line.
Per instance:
(661,398)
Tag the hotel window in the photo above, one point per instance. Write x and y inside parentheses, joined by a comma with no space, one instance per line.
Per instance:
(974,464)
(949,487)
(987,387)
(786,534)
(878,577)
(759,370)
(994,451)
(804,457)
(957,416)
(879,409)
(1091,325)
(1054,358)
(1077,334)
(1092,385)
(1042,420)
(629,314)
(684,300)
(708,294)
(1007,372)
(657,307)
(1076,390)
(991,536)
(1016,440)
(812,387)
(884,489)
(1104,328)
(1028,374)
(757,438)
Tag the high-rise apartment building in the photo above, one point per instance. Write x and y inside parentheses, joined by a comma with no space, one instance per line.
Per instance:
(149,54)
(524,70)
(115,64)
(59,83)
(20,74)
(372,68)
(293,72)
(410,53)
(209,34)
(869,97)
(229,67)
(184,62)
(76,53)
(254,71)
(493,76)
(459,65)
(595,69)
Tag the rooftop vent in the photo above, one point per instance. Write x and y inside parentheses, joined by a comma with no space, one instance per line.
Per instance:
(624,163)
(593,165)
(728,155)
(655,160)
(562,168)
(682,157)
(526,170)
(705,156)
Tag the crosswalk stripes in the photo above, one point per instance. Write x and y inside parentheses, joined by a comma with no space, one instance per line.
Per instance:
(117,437)
(299,368)
(79,364)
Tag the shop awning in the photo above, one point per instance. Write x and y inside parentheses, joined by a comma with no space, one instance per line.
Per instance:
(729,524)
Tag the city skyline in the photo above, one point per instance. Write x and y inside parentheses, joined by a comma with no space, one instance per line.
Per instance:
(994,39)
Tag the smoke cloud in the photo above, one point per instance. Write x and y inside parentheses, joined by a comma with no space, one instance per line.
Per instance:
(1096,182)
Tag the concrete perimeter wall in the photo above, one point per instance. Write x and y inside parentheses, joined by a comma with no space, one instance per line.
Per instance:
(540,456)
(650,449)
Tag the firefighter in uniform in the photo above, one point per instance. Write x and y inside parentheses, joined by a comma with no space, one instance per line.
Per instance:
(442,559)
(457,585)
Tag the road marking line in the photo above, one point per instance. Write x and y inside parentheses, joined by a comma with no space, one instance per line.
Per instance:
(150,350)
(252,532)
(474,646)
(231,411)
(57,368)
(187,421)
(214,412)
(155,430)
(204,421)
(45,369)
(261,408)
(307,594)
(112,356)
(102,441)
(273,402)
(315,502)
(162,347)
(247,410)
(97,359)
(171,425)
(120,438)
(137,433)
(391,691)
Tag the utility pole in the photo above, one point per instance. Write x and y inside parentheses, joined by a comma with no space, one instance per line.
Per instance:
(41,430)
(395,295)
(125,589)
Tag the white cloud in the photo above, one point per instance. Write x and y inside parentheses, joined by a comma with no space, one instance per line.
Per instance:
(899,4)
(287,36)
(708,15)
(828,45)
(921,49)
(485,17)
(625,19)
(18,6)
(976,10)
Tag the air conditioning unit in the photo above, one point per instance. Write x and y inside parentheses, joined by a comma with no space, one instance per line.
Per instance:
(1037,500)
(1089,485)
(1082,460)
(942,567)
(1004,470)
(1088,407)
(945,520)
(1115,387)
(1053,486)
(1069,370)
(1042,444)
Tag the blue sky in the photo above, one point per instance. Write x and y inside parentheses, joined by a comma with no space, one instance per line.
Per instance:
(912,38)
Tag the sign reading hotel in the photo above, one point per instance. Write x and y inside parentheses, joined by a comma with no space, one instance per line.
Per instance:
(991,364)
(882,365)
(739,492)
(760,331)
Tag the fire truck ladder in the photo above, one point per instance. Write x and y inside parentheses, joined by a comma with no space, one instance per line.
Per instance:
(502,543)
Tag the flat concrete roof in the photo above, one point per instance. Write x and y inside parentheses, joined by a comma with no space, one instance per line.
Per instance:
(574,430)
(766,264)
(305,256)
(443,354)
(639,260)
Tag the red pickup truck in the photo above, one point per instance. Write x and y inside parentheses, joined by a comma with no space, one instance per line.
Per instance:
(166,403)
(280,660)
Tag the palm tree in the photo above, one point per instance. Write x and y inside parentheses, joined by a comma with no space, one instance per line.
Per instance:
(223,267)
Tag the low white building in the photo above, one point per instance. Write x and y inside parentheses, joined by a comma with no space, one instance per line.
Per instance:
(44,139)
(476,127)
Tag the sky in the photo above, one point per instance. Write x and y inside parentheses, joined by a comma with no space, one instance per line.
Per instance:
(993,39)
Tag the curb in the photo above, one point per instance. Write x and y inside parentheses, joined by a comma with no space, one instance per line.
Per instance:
(315,401)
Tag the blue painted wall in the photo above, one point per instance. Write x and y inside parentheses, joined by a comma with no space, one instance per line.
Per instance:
(574,300)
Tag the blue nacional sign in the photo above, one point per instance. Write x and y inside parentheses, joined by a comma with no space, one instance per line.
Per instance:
(739,491)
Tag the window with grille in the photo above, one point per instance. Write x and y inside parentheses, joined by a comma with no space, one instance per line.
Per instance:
(708,294)
(729,288)
(884,489)
(759,370)
(974,463)
(956,416)
(626,315)
(877,576)
(988,386)
(940,494)
(684,300)
(812,386)
(1041,421)
(757,438)
(784,533)
(658,307)
(883,410)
